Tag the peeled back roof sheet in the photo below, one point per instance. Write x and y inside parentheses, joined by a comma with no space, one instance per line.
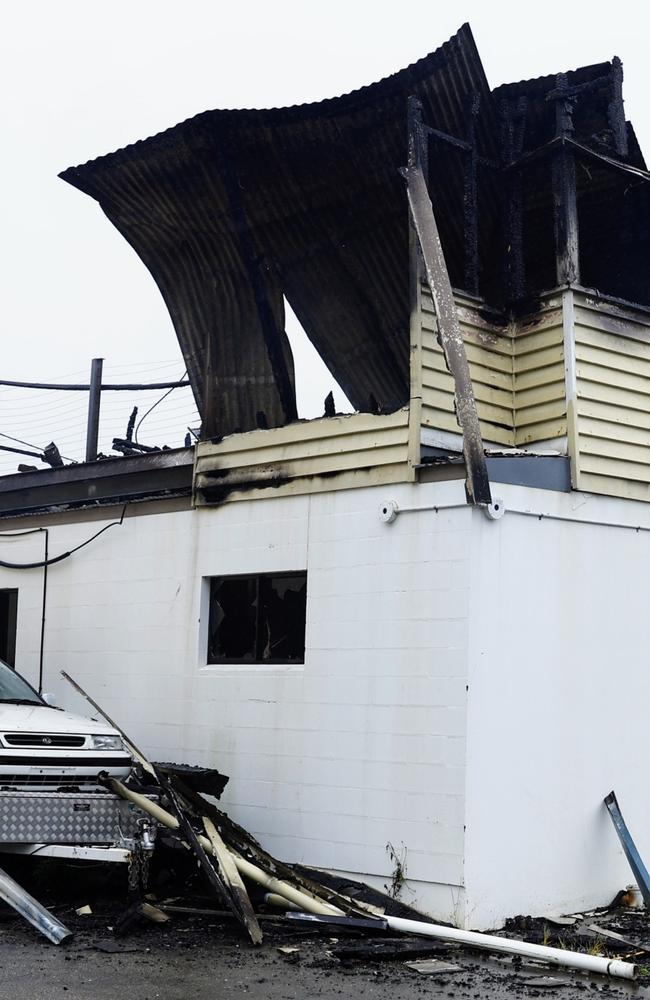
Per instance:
(231,209)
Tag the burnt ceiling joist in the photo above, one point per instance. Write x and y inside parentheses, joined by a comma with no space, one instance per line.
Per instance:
(233,211)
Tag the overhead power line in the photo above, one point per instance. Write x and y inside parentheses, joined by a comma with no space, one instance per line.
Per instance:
(76,387)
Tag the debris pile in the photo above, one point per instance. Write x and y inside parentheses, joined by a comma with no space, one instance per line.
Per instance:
(248,885)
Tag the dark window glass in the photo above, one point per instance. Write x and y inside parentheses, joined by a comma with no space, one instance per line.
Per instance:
(8,613)
(257,619)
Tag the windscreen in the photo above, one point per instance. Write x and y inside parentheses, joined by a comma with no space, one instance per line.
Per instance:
(14,689)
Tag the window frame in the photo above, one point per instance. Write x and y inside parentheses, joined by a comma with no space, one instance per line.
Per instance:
(256,662)
(11,594)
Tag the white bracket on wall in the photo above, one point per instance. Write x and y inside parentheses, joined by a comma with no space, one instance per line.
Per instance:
(388,511)
(495,510)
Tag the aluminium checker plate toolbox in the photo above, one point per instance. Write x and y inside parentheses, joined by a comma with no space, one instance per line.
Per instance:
(68,818)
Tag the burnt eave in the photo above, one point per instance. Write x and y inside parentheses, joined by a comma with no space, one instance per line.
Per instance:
(160,475)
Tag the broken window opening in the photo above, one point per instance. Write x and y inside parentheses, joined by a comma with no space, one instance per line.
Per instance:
(8,620)
(258,618)
(313,380)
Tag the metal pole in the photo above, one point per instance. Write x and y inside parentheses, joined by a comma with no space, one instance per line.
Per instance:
(42,649)
(94,398)
(32,910)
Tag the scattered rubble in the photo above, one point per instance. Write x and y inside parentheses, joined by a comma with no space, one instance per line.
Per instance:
(207,871)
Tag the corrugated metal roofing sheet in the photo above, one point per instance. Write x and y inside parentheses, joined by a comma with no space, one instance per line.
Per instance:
(231,210)
(311,199)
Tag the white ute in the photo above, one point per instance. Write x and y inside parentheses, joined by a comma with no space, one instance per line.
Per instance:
(43,747)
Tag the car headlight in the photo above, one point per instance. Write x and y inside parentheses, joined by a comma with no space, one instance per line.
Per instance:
(106,743)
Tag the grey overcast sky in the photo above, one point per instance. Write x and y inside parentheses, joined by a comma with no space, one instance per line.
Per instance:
(81,78)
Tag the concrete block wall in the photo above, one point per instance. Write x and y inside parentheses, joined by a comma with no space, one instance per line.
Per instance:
(494,792)
(559,690)
(362,746)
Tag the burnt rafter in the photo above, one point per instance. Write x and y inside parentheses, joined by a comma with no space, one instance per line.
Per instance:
(535,183)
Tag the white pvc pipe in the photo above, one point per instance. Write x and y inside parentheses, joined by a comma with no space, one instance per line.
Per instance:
(158,813)
(303,901)
(274,899)
(553,956)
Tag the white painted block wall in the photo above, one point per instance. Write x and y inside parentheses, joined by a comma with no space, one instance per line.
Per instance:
(559,694)
(545,621)
(330,761)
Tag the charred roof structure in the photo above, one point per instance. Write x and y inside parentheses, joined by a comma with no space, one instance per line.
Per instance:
(534,185)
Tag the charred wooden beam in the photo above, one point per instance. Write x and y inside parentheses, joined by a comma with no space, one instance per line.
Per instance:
(470,201)
(477,484)
(418,133)
(565,201)
(239,899)
(513,129)
(615,109)
(131,424)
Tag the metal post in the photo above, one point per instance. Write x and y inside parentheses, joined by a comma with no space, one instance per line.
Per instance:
(94,398)
(43,610)
(32,910)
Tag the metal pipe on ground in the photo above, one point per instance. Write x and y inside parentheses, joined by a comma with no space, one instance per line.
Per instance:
(32,910)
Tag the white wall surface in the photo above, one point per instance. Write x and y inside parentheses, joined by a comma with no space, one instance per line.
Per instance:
(365,743)
(559,693)
(329,762)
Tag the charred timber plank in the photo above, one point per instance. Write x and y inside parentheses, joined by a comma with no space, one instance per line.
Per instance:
(187,831)
(470,200)
(565,199)
(231,877)
(565,205)
(477,484)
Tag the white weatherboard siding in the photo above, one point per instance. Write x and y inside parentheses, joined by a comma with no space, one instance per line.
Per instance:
(329,761)
(559,690)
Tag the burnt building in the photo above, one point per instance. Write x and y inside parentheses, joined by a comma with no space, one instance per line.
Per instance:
(399,625)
